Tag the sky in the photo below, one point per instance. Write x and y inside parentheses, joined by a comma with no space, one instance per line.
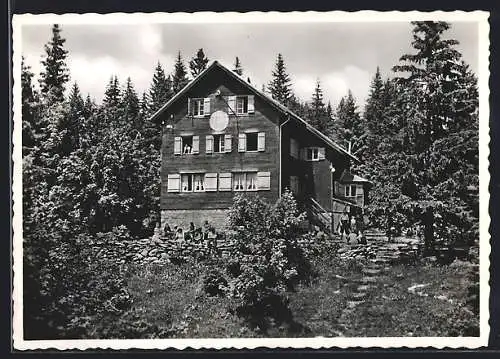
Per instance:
(341,56)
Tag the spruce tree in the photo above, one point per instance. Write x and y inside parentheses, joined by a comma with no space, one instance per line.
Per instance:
(237,66)
(112,96)
(30,127)
(179,78)
(318,115)
(280,85)
(349,126)
(74,121)
(160,90)
(130,104)
(198,63)
(55,74)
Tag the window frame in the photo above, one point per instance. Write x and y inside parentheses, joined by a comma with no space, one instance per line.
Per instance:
(182,145)
(201,107)
(244,105)
(349,190)
(221,148)
(245,177)
(256,134)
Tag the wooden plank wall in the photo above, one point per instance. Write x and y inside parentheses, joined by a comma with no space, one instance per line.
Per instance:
(264,119)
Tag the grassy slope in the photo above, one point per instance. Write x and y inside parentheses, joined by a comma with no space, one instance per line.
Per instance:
(171,297)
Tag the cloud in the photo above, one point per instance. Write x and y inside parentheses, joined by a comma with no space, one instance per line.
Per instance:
(336,84)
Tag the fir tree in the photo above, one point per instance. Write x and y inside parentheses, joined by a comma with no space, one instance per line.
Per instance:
(280,85)
(55,73)
(160,90)
(72,123)
(179,78)
(198,63)
(112,99)
(349,127)
(130,104)
(318,115)
(237,66)
(28,105)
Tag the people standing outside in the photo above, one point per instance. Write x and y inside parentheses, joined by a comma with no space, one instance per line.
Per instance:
(344,225)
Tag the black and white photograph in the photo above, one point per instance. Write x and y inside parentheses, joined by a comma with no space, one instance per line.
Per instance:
(227,180)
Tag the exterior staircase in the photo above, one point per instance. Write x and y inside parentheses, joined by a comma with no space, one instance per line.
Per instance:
(318,216)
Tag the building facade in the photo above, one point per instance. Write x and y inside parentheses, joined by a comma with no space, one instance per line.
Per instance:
(221,136)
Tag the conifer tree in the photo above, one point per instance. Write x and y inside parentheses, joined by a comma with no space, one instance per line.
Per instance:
(28,105)
(349,126)
(179,78)
(73,122)
(318,115)
(198,63)
(280,85)
(130,104)
(112,99)
(55,74)
(160,90)
(237,66)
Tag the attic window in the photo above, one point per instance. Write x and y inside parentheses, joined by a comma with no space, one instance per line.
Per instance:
(198,107)
(241,105)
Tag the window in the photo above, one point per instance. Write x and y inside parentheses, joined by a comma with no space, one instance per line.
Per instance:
(241,105)
(193,182)
(219,143)
(198,107)
(245,181)
(251,141)
(350,191)
(187,145)
(314,153)
(187,183)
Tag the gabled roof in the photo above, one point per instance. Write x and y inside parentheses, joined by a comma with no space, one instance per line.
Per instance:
(263,96)
(348,177)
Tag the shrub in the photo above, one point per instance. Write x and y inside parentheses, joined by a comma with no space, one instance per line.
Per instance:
(214,282)
(267,260)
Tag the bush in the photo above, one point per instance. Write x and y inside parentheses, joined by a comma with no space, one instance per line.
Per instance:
(214,282)
(267,260)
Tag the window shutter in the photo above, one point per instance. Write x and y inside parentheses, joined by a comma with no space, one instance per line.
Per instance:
(174,182)
(177,145)
(261,141)
(251,104)
(206,106)
(196,144)
(303,152)
(228,143)
(321,153)
(263,180)
(242,142)
(210,144)
(337,189)
(225,181)
(189,107)
(232,104)
(211,182)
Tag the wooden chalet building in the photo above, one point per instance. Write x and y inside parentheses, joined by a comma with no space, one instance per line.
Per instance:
(222,136)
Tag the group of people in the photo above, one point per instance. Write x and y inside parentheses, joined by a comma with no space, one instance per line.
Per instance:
(206,233)
(351,227)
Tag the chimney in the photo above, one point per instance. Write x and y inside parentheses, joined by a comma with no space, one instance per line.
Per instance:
(349,147)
